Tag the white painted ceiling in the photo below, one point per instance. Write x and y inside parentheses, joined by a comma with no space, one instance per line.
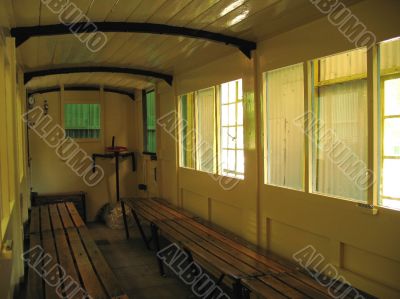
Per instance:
(248,19)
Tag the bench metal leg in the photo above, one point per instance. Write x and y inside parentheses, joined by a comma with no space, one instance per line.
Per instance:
(139,225)
(125,220)
(154,232)
(237,290)
(246,293)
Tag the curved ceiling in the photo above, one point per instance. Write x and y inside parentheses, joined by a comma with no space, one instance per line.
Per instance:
(246,19)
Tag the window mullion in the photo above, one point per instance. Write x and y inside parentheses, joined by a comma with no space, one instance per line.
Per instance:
(373,125)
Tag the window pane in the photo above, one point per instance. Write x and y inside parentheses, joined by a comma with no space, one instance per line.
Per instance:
(224,115)
(392,137)
(285,103)
(390,105)
(343,65)
(151,137)
(224,93)
(391,203)
(389,55)
(391,178)
(187,132)
(206,129)
(342,139)
(392,97)
(231,133)
(82,120)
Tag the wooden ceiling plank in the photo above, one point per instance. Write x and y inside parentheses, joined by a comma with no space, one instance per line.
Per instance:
(167,11)
(192,11)
(26,12)
(241,13)
(144,10)
(99,10)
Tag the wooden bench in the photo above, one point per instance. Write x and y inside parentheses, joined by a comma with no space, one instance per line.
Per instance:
(59,230)
(225,256)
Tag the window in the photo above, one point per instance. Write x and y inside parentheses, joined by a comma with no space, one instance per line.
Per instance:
(205,103)
(390,146)
(285,142)
(202,136)
(231,138)
(149,115)
(82,121)
(340,139)
(187,131)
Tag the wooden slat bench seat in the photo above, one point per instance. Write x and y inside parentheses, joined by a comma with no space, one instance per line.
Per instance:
(59,230)
(223,255)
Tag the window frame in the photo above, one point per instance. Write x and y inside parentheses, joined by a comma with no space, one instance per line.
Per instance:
(383,77)
(220,149)
(145,129)
(217,149)
(86,101)
(266,128)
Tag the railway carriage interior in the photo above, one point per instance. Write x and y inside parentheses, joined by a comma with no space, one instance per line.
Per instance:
(199,149)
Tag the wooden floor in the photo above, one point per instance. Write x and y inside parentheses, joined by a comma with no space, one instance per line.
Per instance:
(136,267)
(58,231)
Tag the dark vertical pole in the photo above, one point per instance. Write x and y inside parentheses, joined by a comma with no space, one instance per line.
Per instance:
(154,232)
(117,173)
(237,290)
(141,230)
(125,220)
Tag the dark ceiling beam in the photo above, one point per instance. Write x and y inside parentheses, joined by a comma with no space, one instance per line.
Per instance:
(22,34)
(96,69)
(81,88)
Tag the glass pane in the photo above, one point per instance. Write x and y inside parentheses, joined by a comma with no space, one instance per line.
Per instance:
(187,131)
(240,142)
(392,97)
(224,115)
(232,114)
(391,203)
(224,93)
(392,137)
(224,137)
(231,136)
(239,118)
(240,161)
(232,91)
(391,186)
(390,55)
(240,89)
(285,103)
(206,129)
(341,145)
(82,120)
(343,65)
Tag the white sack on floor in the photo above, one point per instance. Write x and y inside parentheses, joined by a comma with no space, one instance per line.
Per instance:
(113,217)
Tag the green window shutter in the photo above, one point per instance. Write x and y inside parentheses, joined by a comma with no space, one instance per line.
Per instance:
(82,120)
(151,145)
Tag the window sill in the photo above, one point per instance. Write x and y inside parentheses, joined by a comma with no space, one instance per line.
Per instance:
(151,156)
(84,140)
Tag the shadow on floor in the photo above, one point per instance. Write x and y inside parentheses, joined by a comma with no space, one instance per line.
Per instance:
(134,266)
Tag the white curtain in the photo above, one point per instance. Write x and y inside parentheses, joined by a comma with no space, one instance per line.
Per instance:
(205,100)
(343,112)
(285,103)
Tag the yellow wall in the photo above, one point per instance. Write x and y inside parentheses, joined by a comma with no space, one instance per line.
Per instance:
(364,247)
(14,192)
(50,174)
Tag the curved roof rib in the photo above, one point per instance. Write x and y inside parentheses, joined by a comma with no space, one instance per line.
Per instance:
(97,69)
(82,88)
(22,34)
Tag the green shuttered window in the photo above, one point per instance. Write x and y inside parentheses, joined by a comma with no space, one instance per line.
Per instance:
(82,121)
(149,109)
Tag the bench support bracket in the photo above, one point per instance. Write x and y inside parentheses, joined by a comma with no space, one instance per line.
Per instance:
(154,232)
